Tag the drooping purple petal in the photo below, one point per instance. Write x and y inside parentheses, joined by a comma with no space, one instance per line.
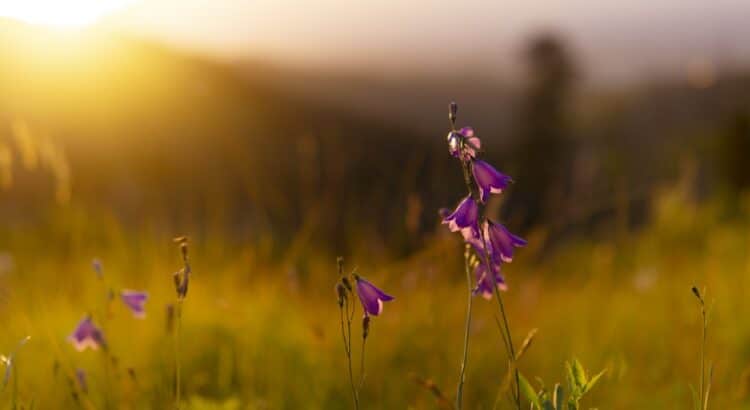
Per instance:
(87,335)
(471,236)
(485,281)
(488,179)
(503,241)
(371,297)
(471,143)
(135,301)
(465,215)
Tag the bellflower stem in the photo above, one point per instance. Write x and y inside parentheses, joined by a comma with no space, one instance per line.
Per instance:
(470,297)
(177,352)
(506,327)
(466,165)
(346,334)
(362,366)
(469,218)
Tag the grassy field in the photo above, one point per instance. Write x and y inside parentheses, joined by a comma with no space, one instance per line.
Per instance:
(263,332)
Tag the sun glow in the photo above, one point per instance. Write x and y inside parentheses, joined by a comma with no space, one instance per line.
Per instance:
(60,13)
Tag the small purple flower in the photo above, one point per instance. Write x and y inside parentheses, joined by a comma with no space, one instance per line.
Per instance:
(87,335)
(472,143)
(465,215)
(81,377)
(489,180)
(485,282)
(97,265)
(135,300)
(502,241)
(471,236)
(463,143)
(371,297)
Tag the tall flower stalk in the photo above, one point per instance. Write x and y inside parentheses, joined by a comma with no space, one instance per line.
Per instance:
(702,399)
(371,298)
(467,327)
(346,313)
(181,282)
(492,243)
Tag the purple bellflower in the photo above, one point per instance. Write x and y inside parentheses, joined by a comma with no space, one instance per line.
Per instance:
(502,241)
(86,335)
(465,216)
(135,301)
(371,297)
(488,179)
(464,144)
(492,243)
(485,281)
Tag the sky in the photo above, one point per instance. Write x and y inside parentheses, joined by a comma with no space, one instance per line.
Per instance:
(613,37)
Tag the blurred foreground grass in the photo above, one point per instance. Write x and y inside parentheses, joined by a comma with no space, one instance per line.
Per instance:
(260,332)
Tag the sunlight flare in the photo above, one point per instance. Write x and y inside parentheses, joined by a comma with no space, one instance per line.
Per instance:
(70,13)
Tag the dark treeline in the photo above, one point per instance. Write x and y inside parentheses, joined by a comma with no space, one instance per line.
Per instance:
(154,137)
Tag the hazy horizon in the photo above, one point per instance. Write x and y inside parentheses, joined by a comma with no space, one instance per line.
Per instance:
(614,41)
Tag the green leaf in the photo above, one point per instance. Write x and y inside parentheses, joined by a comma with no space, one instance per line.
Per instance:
(570,375)
(529,391)
(593,381)
(579,374)
(558,396)
(696,400)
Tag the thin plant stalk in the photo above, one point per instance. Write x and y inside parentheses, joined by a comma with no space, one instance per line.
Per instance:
(362,365)
(14,399)
(464,361)
(506,326)
(705,389)
(508,339)
(703,355)
(346,334)
(181,280)
(177,354)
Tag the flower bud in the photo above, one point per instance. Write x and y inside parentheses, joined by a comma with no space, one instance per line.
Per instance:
(347,283)
(365,326)
(452,111)
(177,276)
(341,293)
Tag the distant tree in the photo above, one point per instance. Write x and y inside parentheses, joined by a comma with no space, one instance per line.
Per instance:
(734,154)
(544,147)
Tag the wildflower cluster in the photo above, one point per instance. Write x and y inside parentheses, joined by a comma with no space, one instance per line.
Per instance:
(87,334)
(371,298)
(488,243)
(491,241)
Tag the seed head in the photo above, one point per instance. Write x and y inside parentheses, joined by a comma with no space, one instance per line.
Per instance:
(340,265)
(697,293)
(341,293)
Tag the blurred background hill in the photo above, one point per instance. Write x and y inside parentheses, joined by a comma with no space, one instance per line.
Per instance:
(154,136)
